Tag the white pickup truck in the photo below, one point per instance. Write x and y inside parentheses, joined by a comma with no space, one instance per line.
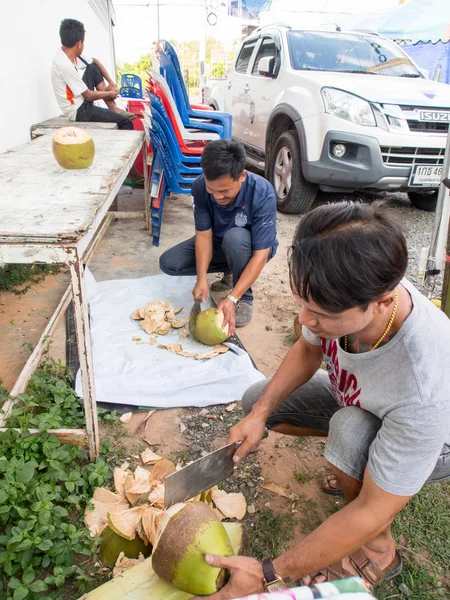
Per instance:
(339,111)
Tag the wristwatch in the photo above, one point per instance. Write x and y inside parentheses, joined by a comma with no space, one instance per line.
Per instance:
(272,582)
(232,298)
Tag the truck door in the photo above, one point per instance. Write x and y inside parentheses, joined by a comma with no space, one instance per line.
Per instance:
(237,87)
(263,89)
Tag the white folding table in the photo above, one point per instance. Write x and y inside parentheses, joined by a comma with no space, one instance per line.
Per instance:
(52,215)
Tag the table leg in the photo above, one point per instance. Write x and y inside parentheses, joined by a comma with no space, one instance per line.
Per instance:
(146,186)
(85,354)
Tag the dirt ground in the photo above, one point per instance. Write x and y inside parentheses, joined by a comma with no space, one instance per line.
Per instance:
(183,434)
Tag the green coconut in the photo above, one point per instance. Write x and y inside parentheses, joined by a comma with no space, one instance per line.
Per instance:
(179,557)
(73,148)
(208,327)
(113,544)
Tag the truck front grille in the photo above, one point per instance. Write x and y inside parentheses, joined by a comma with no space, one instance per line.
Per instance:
(399,156)
(433,127)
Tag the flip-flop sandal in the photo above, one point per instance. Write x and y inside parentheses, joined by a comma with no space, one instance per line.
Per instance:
(129,115)
(135,183)
(365,568)
(325,487)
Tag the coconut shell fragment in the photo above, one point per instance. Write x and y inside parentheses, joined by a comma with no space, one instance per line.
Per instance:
(161,469)
(137,485)
(149,457)
(120,475)
(97,519)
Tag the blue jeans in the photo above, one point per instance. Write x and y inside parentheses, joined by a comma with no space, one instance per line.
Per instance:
(231,255)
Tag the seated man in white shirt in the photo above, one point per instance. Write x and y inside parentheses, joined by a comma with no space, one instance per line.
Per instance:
(78,82)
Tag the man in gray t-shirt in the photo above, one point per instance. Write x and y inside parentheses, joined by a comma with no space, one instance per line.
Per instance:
(383,399)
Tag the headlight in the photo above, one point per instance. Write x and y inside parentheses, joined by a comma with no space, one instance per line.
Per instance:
(348,106)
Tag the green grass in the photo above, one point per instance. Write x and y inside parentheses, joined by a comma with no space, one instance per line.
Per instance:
(304,477)
(423,531)
(12,277)
(270,534)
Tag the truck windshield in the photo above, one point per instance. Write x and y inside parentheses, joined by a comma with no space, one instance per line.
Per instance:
(348,53)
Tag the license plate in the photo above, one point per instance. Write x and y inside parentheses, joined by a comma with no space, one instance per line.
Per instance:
(425,176)
(434,115)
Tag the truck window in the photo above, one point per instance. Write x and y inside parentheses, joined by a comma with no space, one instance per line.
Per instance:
(267,48)
(244,57)
(348,53)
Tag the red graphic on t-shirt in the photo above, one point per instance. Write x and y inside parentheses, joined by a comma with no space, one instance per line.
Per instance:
(344,384)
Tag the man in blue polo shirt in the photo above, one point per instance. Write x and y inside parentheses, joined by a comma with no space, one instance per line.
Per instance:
(235,231)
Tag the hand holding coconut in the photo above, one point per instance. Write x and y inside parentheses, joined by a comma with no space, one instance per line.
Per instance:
(228,308)
(246,576)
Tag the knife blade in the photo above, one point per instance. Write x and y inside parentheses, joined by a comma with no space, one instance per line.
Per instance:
(200,475)
(196,309)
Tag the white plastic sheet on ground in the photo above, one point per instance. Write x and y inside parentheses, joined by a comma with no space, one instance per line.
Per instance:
(126,372)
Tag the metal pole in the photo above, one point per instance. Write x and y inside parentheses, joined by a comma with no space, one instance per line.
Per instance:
(436,251)
(157,20)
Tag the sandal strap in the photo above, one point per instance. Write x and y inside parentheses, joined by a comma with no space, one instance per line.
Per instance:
(366,568)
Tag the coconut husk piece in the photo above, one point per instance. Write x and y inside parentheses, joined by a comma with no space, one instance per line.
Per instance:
(156,496)
(152,341)
(221,349)
(184,333)
(175,348)
(136,315)
(102,494)
(207,355)
(123,564)
(161,469)
(141,313)
(126,522)
(149,457)
(179,323)
(126,417)
(277,489)
(186,354)
(120,475)
(149,325)
(163,328)
(150,518)
(137,485)
(231,407)
(97,519)
(233,506)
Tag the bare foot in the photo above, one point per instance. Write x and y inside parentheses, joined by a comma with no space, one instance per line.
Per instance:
(331,481)
(381,559)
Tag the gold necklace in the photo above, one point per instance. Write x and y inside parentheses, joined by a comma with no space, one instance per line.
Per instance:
(386,331)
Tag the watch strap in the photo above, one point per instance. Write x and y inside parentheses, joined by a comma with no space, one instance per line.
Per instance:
(232,298)
(269,571)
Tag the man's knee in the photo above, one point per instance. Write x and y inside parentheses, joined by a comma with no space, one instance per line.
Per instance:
(125,123)
(167,264)
(352,431)
(252,395)
(237,239)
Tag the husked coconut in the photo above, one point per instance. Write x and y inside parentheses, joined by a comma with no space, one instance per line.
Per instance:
(179,557)
(73,148)
(208,327)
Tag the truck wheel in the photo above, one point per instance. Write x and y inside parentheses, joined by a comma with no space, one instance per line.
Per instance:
(294,194)
(425,200)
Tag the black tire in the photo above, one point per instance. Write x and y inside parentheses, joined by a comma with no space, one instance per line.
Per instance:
(294,194)
(425,200)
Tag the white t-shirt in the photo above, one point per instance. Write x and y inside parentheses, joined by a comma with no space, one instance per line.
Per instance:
(68,84)
(406,384)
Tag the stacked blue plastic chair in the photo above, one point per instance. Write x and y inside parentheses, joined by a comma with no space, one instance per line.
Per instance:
(178,134)
(131,86)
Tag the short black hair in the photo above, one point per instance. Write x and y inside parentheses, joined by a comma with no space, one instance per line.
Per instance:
(223,157)
(346,255)
(71,32)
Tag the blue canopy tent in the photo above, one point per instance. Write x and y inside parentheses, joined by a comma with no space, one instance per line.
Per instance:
(423,28)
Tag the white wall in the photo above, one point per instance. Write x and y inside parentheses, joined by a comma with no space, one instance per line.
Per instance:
(28,41)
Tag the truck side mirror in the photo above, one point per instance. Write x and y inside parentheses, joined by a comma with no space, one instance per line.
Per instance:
(266,66)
